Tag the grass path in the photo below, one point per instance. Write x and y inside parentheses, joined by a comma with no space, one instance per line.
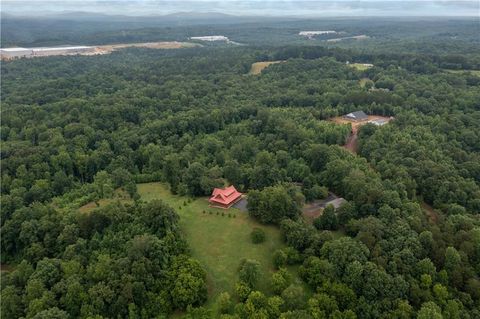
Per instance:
(219,242)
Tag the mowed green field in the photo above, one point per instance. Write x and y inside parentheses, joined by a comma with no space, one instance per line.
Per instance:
(219,242)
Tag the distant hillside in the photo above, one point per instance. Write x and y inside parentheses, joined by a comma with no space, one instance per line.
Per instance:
(73,27)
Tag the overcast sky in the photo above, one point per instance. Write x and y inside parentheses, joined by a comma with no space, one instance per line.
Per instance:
(249,7)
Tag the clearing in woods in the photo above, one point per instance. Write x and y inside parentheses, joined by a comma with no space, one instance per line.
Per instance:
(351,143)
(218,241)
(118,195)
(360,66)
(257,67)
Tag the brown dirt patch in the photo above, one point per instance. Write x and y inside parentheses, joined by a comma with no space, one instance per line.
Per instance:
(430,212)
(312,211)
(352,143)
(6,268)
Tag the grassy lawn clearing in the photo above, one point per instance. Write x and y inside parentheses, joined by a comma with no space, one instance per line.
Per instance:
(118,195)
(219,242)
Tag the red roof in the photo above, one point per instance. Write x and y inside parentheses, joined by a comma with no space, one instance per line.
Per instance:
(225,197)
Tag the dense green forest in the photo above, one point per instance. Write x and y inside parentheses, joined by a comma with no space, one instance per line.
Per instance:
(77,129)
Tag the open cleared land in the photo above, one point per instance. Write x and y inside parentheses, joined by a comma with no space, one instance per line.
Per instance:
(89,50)
(119,195)
(356,125)
(351,143)
(257,67)
(218,242)
(361,66)
(311,211)
(151,45)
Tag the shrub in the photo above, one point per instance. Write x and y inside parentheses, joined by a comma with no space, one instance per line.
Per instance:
(294,297)
(293,256)
(280,281)
(224,302)
(249,272)
(328,220)
(319,192)
(257,235)
(242,289)
(279,258)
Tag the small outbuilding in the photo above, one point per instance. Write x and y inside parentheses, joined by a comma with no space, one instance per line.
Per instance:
(225,197)
(357,116)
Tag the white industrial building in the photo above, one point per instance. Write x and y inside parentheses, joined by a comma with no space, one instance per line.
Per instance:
(12,53)
(311,34)
(211,38)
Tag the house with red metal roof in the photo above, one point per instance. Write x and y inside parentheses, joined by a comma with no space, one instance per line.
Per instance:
(225,197)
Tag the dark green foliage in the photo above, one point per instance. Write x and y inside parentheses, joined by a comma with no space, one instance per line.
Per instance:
(257,235)
(224,302)
(80,129)
(280,281)
(273,204)
(188,282)
(198,313)
(104,253)
(294,297)
(249,272)
(279,258)
(328,220)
